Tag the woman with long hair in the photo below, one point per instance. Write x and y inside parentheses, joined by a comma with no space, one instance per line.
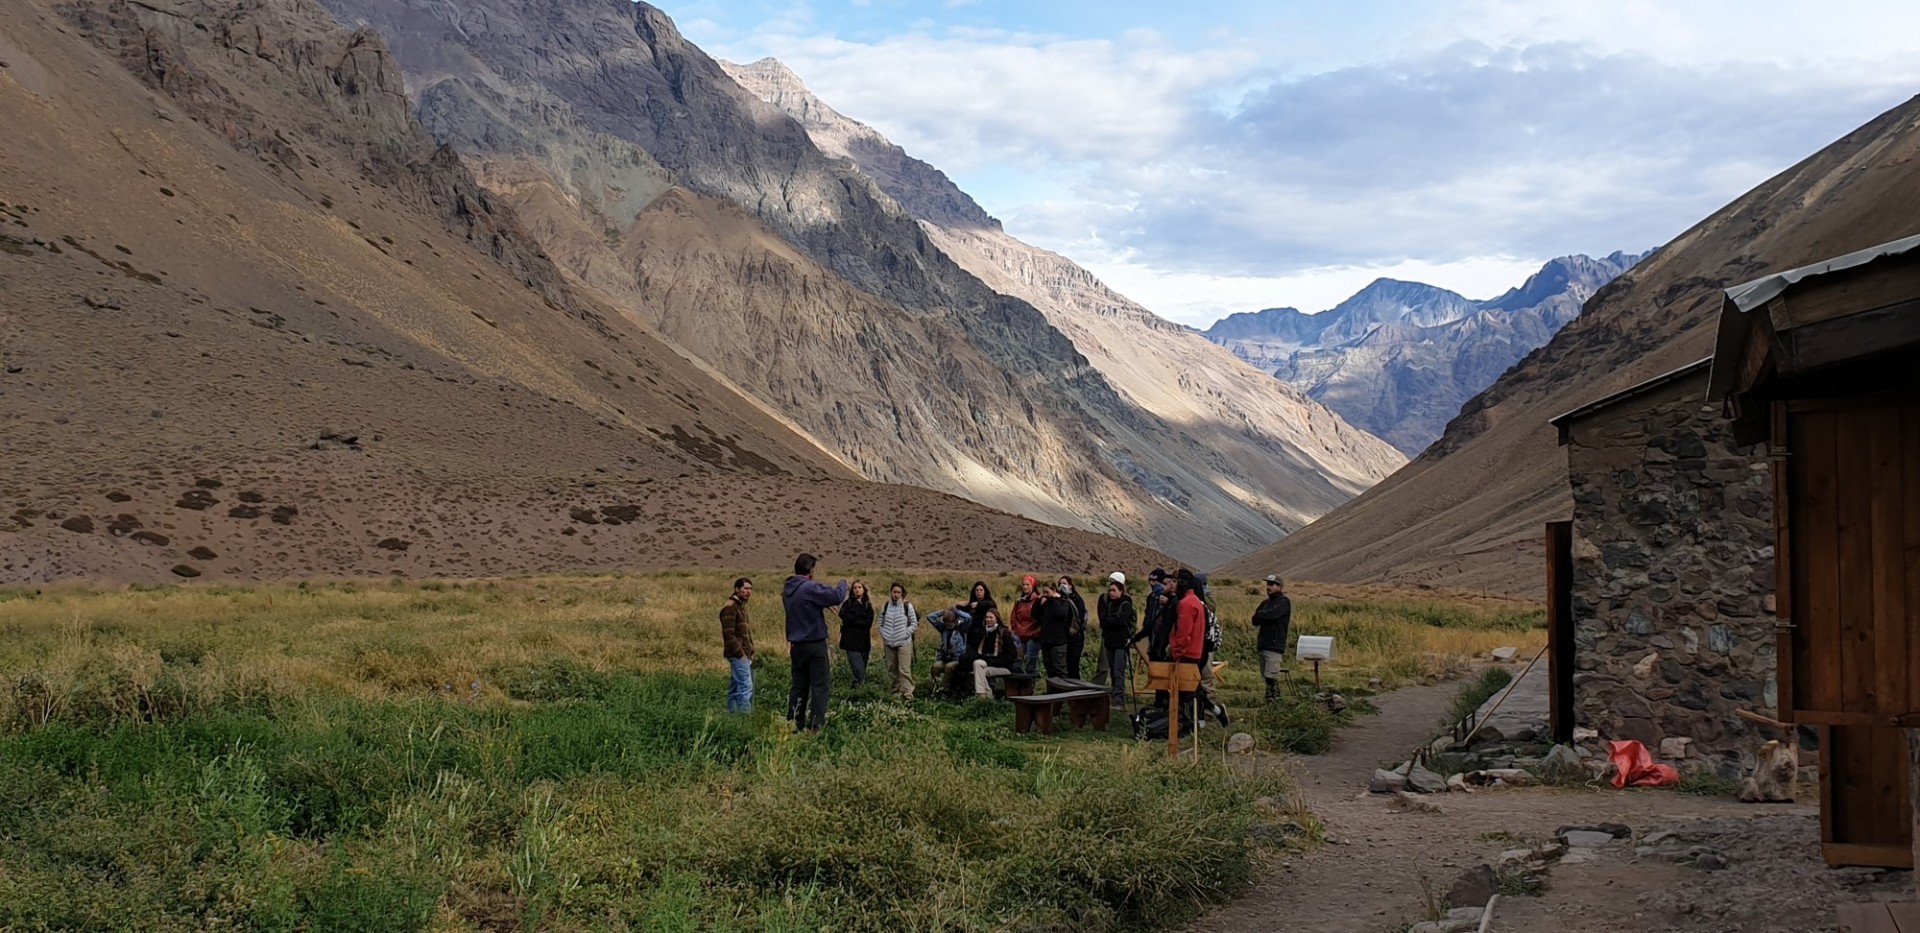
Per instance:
(856,630)
(1077,641)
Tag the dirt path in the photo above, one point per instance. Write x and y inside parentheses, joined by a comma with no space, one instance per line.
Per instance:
(1369,877)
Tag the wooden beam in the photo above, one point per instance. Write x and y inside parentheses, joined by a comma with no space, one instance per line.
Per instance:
(1780,447)
(1846,293)
(1843,854)
(1846,339)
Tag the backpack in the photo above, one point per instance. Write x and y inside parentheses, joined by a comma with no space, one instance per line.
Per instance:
(1213,630)
(1151,723)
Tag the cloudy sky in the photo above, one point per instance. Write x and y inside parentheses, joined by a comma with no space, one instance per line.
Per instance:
(1230,155)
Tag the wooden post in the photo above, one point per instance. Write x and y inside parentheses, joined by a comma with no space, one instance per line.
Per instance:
(1913,790)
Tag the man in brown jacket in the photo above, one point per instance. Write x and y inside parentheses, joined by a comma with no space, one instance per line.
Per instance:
(737,633)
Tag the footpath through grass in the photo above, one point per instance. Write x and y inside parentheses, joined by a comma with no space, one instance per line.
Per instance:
(550,754)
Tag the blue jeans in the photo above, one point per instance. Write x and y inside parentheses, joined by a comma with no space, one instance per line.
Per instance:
(740,691)
(1029,661)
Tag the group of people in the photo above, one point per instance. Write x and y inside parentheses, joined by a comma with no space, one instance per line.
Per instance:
(1044,627)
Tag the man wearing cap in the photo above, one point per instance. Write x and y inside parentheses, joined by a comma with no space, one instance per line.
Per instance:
(1116,633)
(1271,619)
(1025,628)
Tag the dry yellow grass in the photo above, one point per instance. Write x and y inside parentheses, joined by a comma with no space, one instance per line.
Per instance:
(381,639)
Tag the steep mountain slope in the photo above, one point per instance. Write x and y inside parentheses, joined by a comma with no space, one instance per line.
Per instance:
(1399,358)
(1278,449)
(793,275)
(1468,512)
(255,323)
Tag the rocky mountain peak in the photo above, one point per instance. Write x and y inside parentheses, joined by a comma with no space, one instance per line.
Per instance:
(1399,358)
(923,190)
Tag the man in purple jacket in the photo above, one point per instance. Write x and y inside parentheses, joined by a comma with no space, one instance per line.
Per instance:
(806,603)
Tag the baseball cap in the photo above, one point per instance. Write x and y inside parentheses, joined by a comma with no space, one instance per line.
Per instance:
(1117,577)
(1274,578)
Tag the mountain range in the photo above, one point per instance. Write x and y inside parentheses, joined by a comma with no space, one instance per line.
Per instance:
(255,322)
(1468,512)
(659,184)
(1398,359)
(398,286)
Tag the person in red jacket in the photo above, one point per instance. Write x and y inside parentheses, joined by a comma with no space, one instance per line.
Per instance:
(1188,644)
(1026,628)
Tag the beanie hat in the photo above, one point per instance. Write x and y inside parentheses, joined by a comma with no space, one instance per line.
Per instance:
(1028,580)
(1117,577)
(1157,574)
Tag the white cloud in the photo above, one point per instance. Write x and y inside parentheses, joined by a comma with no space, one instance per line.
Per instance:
(1199,298)
(1487,136)
(971,98)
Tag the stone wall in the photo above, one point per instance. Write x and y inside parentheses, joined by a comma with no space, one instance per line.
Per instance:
(1673,577)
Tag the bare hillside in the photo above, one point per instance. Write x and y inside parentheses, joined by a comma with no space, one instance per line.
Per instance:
(1468,512)
(255,323)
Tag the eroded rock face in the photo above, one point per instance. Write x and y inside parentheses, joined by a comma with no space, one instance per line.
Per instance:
(1673,565)
(1213,401)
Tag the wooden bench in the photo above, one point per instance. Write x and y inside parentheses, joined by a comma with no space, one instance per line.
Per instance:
(1017,684)
(1084,707)
(1901,917)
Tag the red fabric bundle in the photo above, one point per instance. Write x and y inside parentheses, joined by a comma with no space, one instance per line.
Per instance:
(1633,767)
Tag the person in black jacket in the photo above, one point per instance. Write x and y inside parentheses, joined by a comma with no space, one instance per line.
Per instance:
(1116,633)
(856,630)
(1271,619)
(1055,617)
(994,655)
(1152,631)
(976,605)
(1077,637)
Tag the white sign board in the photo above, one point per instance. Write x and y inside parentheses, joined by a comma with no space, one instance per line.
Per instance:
(1315,648)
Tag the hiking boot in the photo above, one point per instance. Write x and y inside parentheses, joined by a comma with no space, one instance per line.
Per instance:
(1220,713)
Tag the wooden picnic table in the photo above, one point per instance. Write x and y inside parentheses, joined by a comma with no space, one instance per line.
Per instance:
(1084,708)
(1900,917)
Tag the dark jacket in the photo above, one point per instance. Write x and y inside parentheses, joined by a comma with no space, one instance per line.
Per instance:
(1273,617)
(1116,621)
(736,630)
(996,648)
(1080,613)
(856,626)
(978,611)
(806,602)
(1055,617)
(1156,625)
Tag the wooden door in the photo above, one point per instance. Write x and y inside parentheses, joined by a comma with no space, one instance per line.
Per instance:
(1560,658)
(1848,549)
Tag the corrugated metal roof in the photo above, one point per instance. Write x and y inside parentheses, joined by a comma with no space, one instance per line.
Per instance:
(1562,422)
(1747,296)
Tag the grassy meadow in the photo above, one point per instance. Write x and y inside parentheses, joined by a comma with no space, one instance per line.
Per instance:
(551,754)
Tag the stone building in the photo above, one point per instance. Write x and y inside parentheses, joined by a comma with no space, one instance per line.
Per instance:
(1672,574)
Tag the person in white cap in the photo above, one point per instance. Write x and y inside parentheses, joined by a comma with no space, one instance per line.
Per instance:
(1116,634)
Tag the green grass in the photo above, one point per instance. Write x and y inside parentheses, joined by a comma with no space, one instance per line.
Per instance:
(1476,692)
(603,800)
(1702,782)
(551,754)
